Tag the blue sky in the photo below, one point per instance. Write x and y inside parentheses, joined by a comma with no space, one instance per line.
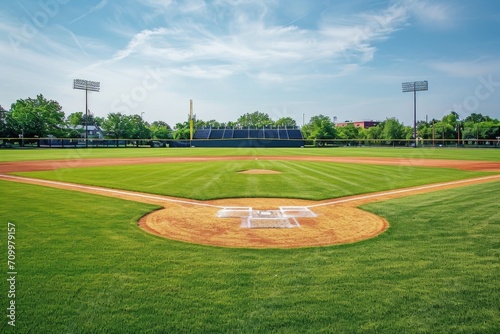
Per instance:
(284,58)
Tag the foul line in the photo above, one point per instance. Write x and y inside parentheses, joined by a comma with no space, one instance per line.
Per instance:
(165,199)
(402,191)
(106,190)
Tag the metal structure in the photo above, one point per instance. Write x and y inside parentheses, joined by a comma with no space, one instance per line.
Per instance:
(191,129)
(415,86)
(87,86)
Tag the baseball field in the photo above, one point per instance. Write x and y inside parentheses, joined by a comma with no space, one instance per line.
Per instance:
(161,240)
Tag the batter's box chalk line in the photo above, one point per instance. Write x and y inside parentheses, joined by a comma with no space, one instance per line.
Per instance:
(285,217)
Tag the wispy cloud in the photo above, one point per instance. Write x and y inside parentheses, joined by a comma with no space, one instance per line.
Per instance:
(432,14)
(138,42)
(261,52)
(255,44)
(93,9)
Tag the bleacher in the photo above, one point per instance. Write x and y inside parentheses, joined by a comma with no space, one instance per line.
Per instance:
(269,133)
(295,134)
(256,133)
(238,133)
(228,133)
(261,137)
(216,134)
(202,134)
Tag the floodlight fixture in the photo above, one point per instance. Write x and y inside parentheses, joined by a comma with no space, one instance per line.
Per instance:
(415,86)
(86,85)
(93,86)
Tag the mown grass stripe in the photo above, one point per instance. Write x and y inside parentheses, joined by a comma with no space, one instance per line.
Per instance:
(432,271)
(220,179)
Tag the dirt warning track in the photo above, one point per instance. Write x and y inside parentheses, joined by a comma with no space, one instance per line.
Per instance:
(336,221)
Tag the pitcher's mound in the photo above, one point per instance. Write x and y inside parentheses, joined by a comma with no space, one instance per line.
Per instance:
(259,171)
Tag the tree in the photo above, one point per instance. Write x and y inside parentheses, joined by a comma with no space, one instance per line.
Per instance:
(444,130)
(139,129)
(76,119)
(160,130)
(319,127)
(182,131)
(255,120)
(37,117)
(117,125)
(424,130)
(476,118)
(392,129)
(347,132)
(4,130)
(375,132)
(212,124)
(451,119)
(230,125)
(286,122)
(489,130)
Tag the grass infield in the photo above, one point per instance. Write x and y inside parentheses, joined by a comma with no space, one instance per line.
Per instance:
(84,266)
(220,179)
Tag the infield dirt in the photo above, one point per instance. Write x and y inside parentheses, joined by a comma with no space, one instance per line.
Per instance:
(337,221)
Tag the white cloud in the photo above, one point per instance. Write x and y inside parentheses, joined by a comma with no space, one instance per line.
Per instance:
(230,56)
(93,9)
(252,45)
(433,14)
(138,41)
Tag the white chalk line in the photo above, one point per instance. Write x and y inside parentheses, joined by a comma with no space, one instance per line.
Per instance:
(165,199)
(402,191)
(107,190)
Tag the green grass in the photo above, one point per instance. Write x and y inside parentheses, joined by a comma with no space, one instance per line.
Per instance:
(220,179)
(428,153)
(85,267)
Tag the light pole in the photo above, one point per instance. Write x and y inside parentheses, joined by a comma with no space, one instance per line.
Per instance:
(86,85)
(415,87)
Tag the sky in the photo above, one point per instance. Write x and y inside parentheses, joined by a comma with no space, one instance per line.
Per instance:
(294,58)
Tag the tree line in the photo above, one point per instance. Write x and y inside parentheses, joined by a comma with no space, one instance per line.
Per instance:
(39,117)
(450,127)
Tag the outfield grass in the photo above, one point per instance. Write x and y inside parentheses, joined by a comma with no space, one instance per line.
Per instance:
(85,267)
(412,153)
(220,179)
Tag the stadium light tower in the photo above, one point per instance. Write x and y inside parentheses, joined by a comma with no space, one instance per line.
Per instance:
(415,87)
(86,85)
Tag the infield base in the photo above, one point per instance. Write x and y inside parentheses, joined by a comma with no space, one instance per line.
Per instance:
(285,217)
